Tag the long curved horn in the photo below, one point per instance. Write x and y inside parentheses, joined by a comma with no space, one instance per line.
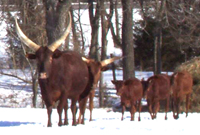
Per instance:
(108,61)
(33,46)
(58,42)
(85,59)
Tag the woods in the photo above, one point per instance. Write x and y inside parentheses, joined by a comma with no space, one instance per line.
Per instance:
(166,36)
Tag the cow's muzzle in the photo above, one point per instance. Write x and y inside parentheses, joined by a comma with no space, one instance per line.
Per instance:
(43,75)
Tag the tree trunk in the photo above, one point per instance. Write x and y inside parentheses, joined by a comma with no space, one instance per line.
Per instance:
(101,92)
(56,17)
(104,31)
(127,40)
(94,22)
(34,88)
(157,51)
(160,8)
(117,21)
(76,42)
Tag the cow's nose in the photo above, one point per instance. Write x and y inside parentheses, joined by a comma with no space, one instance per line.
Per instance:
(43,75)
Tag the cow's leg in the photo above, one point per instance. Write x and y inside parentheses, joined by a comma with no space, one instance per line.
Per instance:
(91,103)
(79,116)
(61,106)
(49,111)
(177,107)
(123,109)
(166,107)
(187,103)
(73,109)
(174,107)
(150,108)
(66,114)
(156,108)
(132,111)
(139,108)
(82,107)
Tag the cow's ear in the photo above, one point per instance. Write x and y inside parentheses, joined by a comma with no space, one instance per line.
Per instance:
(57,54)
(104,68)
(31,56)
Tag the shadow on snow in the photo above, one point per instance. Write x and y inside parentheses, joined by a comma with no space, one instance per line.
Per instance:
(13,123)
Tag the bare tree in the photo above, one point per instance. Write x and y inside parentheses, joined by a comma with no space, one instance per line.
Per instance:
(105,26)
(94,22)
(127,39)
(31,16)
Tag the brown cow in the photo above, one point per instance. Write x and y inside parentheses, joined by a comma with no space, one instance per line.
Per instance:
(157,88)
(62,75)
(182,83)
(131,93)
(95,68)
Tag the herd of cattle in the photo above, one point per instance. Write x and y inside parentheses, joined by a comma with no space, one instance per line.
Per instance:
(68,75)
(156,88)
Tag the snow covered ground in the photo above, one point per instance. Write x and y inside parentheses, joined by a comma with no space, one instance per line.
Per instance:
(33,121)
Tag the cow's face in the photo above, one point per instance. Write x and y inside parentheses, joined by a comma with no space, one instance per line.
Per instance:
(43,55)
(122,89)
(119,85)
(44,58)
(96,67)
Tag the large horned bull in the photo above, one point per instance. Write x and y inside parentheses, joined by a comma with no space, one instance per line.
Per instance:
(62,75)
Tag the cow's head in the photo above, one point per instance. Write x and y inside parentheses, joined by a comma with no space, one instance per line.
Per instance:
(119,85)
(96,67)
(44,55)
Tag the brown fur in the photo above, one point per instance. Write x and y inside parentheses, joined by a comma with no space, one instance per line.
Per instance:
(94,69)
(157,88)
(131,93)
(62,76)
(182,83)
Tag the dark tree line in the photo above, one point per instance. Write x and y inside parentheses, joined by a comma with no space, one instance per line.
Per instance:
(167,35)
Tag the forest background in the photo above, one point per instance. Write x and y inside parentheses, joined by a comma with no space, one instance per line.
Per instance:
(165,37)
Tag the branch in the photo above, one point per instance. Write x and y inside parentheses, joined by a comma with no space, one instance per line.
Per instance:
(15,76)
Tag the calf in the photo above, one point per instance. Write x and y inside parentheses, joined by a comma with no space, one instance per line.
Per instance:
(182,83)
(131,93)
(157,88)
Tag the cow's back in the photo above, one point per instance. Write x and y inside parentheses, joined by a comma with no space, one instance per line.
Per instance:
(159,86)
(134,88)
(182,83)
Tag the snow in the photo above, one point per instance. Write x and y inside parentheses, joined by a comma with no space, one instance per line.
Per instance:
(33,121)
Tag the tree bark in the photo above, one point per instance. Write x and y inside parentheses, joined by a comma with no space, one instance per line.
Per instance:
(94,22)
(127,40)
(160,7)
(56,17)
